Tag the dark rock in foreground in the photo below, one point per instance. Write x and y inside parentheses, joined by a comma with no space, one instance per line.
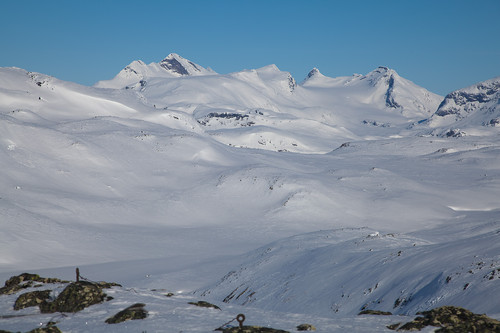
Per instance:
(33,298)
(204,304)
(46,329)
(253,329)
(23,281)
(451,319)
(75,297)
(133,312)
(306,327)
(375,312)
(49,328)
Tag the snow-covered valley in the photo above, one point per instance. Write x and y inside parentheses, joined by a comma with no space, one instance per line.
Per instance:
(289,202)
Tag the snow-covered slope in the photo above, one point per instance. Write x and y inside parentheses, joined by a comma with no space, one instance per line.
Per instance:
(154,185)
(342,272)
(383,88)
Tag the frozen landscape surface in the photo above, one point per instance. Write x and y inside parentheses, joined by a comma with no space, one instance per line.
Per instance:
(289,202)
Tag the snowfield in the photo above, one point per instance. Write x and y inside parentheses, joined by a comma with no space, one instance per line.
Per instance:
(287,202)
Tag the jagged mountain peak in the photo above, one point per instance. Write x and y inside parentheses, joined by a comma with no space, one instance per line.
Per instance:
(178,65)
(315,77)
(137,72)
(314,73)
(479,93)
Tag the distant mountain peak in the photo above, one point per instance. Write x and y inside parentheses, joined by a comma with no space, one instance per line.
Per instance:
(176,64)
(312,75)
(313,72)
(137,72)
(381,72)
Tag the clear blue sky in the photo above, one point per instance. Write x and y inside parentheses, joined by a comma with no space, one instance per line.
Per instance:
(441,45)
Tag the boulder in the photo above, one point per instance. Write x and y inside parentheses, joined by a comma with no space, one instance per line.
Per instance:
(204,304)
(133,312)
(23,281)
(253,329)
(375,312)
(46,329)
(75,297)
(33,298)
(306,327)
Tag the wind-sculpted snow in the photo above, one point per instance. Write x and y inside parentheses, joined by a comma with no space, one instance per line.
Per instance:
(163,178)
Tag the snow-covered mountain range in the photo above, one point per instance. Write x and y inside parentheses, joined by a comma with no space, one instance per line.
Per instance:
(249,189)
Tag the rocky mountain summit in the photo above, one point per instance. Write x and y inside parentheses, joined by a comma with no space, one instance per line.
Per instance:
(477,105)
(137,73)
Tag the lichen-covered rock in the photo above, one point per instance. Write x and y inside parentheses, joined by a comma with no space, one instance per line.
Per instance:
(107,285)
(31,277)
(306,327)
(452,319)
(133,312)
(204,304)
(14,280)
(46,329)
(12,289)
(253,329)
(23,281)
(75,297)
(375,312)
(33,298)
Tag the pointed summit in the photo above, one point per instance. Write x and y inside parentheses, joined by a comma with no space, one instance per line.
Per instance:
(313,75)
(313,72)
(180,66)
(137,73)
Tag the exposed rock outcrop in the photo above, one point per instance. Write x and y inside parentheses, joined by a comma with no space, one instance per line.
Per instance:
(133,312)
(306,327)
(451,319)
(23,281)
(253,329)
(375,312)
(33,298)
(75,297)
(204,304)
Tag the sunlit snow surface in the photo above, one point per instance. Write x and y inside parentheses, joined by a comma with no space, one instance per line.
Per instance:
(305,202)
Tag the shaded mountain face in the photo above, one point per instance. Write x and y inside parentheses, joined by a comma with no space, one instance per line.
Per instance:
(484,96)
(176,64)
(465,110)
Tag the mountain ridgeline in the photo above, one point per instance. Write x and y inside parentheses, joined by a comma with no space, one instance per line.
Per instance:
(380,103)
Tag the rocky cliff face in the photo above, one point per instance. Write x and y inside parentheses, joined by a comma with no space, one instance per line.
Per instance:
(475,105)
